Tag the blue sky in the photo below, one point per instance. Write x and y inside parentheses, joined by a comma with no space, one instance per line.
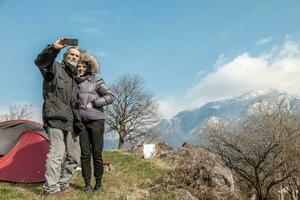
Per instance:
(178,46)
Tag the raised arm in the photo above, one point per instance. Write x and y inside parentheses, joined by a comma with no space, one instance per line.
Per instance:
(46,58)
(105,97)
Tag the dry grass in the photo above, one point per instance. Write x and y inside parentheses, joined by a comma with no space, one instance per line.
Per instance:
(163,164)
(130,180)
(192,181)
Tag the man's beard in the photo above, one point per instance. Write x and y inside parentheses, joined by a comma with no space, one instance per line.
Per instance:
(72,63)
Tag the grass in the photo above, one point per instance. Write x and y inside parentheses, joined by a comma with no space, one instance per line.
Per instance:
(129,180)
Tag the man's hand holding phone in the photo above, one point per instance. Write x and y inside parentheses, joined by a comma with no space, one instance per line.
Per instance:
(70,41)
(63,42)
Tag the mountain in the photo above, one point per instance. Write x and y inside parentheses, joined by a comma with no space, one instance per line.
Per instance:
(183,126)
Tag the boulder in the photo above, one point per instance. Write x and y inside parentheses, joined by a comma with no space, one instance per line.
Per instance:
(162,147)
(197,171)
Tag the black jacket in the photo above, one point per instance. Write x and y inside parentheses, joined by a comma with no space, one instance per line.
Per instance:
(60,109)
(93,90)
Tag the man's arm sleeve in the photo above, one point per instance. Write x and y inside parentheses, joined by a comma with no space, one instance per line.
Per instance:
(45,61)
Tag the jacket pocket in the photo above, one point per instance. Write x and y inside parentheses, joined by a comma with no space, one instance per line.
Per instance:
(61,89)
(55,110)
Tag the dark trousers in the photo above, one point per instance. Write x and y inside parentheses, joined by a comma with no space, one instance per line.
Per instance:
(91,142)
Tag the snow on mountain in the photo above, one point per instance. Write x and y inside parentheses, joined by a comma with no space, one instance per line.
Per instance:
(183,126)
(255,93)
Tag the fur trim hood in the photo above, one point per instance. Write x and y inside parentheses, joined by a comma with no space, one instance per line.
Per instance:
(92,63)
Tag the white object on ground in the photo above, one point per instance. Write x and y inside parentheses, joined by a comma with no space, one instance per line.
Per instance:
(148,150)
(78,169)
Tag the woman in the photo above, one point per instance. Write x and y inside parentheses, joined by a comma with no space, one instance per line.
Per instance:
(93,95)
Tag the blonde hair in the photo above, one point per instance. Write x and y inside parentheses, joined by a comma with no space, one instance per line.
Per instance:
(90,61)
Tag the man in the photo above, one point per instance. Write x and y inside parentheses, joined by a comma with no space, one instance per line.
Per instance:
(60,112)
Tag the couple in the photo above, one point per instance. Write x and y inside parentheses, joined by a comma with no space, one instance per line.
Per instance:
(73,105)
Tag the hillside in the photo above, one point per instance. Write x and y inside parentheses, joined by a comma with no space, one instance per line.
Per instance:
(129,180)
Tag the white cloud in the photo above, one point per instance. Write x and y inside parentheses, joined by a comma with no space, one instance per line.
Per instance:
(278,69)
(220,61)
(93,31)
(107,13)
(80,18)
(170,105)
(263,41)
(88,16)
(100,54)
(201,73)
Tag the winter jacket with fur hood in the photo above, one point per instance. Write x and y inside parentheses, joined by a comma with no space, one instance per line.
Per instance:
(93,90)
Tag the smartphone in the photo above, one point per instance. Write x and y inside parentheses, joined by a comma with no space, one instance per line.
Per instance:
(70,42)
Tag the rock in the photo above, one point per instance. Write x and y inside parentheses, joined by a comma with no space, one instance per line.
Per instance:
(198,171)
(187,145)
(162,147)
(137,148)
(184,195)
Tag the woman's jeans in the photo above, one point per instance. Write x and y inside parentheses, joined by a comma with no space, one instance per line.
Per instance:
(91,142)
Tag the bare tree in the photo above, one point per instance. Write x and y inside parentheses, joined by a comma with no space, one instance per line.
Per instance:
(258,152)
(291,153)
(18,112)
(134,110)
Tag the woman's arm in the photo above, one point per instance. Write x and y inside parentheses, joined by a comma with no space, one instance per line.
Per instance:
(105,94)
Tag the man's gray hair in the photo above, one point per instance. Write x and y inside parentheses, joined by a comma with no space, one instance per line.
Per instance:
(69,49)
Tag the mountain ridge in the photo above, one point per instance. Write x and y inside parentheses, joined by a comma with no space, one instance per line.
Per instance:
(185,124)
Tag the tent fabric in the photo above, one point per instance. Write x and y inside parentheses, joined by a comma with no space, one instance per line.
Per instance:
(24,146)
(10,132)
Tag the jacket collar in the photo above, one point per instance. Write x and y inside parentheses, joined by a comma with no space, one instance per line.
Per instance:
(88,77)
(71,70)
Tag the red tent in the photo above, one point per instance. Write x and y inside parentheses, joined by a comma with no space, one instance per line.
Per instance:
(24,148)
